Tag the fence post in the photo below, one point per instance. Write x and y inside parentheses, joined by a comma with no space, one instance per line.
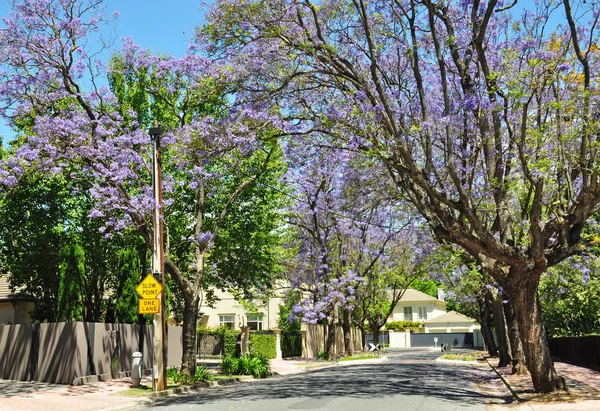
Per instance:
(278,353)
(34,352)
(305,353)
(407,338)
(245,341)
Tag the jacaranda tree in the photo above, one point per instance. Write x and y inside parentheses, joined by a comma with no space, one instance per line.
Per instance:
(51,79)
(486,118)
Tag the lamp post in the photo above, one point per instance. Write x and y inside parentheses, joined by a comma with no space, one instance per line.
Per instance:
(159,373)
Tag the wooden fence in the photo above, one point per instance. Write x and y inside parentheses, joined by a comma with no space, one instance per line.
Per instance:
(314,340)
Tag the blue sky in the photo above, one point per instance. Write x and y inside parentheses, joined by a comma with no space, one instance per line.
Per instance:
(162,26)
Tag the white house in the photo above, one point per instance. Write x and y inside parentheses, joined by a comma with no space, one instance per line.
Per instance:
(229,312)
(417,306)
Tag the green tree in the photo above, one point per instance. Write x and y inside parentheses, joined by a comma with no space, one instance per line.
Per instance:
(31,237)
(71,273)
(570,298)
(223,214)
(128,277)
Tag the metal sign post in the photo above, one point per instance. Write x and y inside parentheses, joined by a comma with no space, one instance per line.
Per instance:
(158,264)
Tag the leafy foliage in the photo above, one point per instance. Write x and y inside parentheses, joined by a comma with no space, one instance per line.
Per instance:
(202,374)
(570,298)
(255,365)
(403,325)
(128,272)
(285,323)
(31,237)
(71,271)
(263,343)
(321,355)
(231,348)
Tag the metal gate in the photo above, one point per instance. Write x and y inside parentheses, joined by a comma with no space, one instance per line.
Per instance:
(453,339)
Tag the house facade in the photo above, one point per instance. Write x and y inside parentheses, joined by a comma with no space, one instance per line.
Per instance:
(14,308)
(229,312)
(431,312)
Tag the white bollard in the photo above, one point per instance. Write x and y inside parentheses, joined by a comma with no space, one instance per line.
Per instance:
(136,369)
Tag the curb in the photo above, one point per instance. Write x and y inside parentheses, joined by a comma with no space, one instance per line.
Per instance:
(514,394)
(157,395)
(200,386)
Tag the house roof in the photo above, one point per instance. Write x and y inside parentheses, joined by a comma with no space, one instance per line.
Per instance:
(6,294)
(411,295)
(451,317)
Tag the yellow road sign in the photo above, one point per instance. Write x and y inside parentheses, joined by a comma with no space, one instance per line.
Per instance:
(149,287)
(148,306)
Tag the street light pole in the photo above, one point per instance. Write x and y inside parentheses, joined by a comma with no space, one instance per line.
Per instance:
(158,262)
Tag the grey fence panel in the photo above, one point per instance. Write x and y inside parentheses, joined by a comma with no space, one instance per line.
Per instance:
(60,352)
(16,351)
(209,344)
(384,338)
(175,346)
(453,339)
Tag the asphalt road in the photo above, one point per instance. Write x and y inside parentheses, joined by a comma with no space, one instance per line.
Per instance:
(409,381)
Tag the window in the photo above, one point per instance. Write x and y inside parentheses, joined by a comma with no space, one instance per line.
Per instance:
(255,321)
(227,320)
(422,313)
(408,314)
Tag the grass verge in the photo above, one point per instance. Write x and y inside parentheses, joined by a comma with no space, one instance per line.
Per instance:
(361,357)
(140,392)
(459,357)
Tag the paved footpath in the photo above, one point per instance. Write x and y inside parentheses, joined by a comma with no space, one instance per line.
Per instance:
(36,396)
(583,395)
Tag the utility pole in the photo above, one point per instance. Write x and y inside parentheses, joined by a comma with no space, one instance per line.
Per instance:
(158,263)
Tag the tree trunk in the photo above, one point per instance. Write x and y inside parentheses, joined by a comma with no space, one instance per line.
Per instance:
(375,331)
(330,347)
(190,319)
(485,319)
(533,335)
(501,329)
(519,365)
(363,337)
(347,333)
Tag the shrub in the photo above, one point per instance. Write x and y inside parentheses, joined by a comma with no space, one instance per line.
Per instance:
(255,365)
(263,343)
(202,374)
(177,377)
(323,356)
(259,366)
(228,366)
(173,374)
(403,325)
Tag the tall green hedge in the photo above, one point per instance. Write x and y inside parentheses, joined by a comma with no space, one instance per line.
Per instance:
(231,348)
(403,325)
(263,343)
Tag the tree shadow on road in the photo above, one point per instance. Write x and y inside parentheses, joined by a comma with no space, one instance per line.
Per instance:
(450,383)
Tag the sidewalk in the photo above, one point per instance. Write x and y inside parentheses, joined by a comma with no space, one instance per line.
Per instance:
(36,396)
(109,395)
(583,385)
